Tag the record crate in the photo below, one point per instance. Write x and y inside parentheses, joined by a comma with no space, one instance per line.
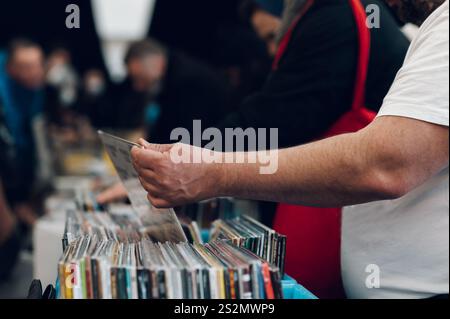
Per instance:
(291,288)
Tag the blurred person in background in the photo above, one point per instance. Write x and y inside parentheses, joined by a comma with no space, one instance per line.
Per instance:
(9,237)
(9,233)
(184,89)
(62,86)
(202,29)
(73,104)
(313,84)
(113,105)
(264,17)
(265,24)
(22,80)
(92,101)
(44,22)
(212,32)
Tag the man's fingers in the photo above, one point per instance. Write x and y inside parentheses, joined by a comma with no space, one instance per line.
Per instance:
(162,148)
(149,176)
(158,202)
(144,143)
(149,187)
(145,158)
(154,200)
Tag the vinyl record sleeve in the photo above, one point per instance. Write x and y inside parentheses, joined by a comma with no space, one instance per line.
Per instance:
(161,224)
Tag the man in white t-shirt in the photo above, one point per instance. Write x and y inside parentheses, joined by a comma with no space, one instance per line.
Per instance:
(397,246)
(411,253)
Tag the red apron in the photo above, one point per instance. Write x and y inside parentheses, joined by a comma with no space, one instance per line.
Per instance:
(314,234)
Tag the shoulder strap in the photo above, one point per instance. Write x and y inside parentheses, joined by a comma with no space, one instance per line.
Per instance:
(287,37)
(363,48)
(359,94)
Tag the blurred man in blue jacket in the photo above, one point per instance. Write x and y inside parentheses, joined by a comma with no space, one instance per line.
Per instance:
(21,90)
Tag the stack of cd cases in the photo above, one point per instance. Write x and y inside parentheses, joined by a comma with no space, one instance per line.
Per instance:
(111,256)
(248,233)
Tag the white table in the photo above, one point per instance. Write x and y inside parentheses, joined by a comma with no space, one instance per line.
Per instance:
(47,243)
(49,230)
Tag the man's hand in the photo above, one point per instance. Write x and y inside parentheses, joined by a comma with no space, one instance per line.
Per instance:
(171,177)
(115,193)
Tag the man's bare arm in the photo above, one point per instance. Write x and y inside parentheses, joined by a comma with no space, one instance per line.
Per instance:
(386,160)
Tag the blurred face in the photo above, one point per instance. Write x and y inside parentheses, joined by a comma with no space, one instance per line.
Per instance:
(26,66)
(94,82)
(266,26)
(414,11)
(146,73)
(58,57)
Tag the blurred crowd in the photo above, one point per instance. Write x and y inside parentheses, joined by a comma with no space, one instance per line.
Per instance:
(216,61)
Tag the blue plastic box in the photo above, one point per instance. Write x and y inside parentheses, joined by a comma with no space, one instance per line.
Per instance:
(293,290)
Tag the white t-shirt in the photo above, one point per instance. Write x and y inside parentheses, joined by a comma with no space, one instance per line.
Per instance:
(405,242)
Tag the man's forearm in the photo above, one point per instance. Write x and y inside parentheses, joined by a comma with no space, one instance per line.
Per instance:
(309,175)
(348,169)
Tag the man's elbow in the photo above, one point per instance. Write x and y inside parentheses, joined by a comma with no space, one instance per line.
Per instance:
(389,185)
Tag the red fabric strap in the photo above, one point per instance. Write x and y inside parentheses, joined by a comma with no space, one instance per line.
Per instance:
(359,95)
(287,37)
(363,48)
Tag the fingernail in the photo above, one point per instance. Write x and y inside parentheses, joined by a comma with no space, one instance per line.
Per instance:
(144,143)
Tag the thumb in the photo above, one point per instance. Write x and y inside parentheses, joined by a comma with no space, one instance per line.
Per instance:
(144,143)
(146,158)
(162,148)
